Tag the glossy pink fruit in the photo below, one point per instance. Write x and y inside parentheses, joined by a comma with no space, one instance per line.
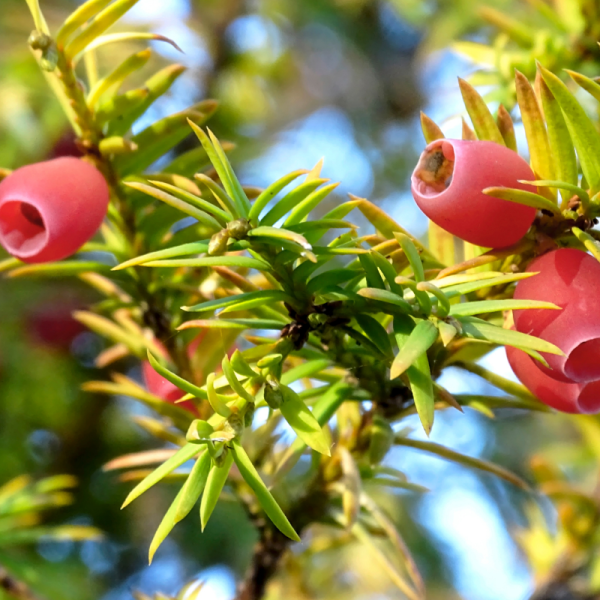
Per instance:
(569,397)
(571,279)
(447,185)
(48,210)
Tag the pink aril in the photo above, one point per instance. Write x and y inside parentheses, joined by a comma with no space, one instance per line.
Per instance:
(448,184)
(48,210)
(569,278)
(565,396)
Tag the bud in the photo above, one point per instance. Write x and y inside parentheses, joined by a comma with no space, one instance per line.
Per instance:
(239,228)
(272,393)
(382,437)
(218,243)
(199,431)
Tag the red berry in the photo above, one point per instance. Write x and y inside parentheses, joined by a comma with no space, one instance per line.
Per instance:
(571,279)
(48,210)
(566,396)
(447,185)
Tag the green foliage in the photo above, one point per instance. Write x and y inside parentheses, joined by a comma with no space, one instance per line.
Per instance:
(346,320)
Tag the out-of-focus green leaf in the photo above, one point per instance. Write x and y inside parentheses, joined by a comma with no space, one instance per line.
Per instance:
(487,306)
(58,269)
(126,36)
(264,496)
(481,330)
(182,456)
(62,533)
(441,243)
(521,32)
(78,18)
(107,328)
(468,461)
(523,197)
(213,488)
(166,526)
(480,114)
(303,422)
(99,23)
(157,139)
(382,557)
(116,108)
(391,530)
(116,77)
(582,130)
(506,385)
(352,486)
(153,89)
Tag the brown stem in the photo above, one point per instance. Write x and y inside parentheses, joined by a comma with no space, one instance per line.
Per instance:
(13,587)
(266,557)
(155,314)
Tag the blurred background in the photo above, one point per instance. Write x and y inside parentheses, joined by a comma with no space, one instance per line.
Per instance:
(296,81)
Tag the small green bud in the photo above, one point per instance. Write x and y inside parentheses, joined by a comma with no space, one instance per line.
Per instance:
(39,40)
(382,437)
(218,243)
(317,319)
(239,228)
(236,423)
(273,394)
(42,41)
(249,415)
(269,360)
(199,431)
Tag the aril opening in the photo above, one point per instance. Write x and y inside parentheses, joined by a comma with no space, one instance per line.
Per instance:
(433,174)
(22,228)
